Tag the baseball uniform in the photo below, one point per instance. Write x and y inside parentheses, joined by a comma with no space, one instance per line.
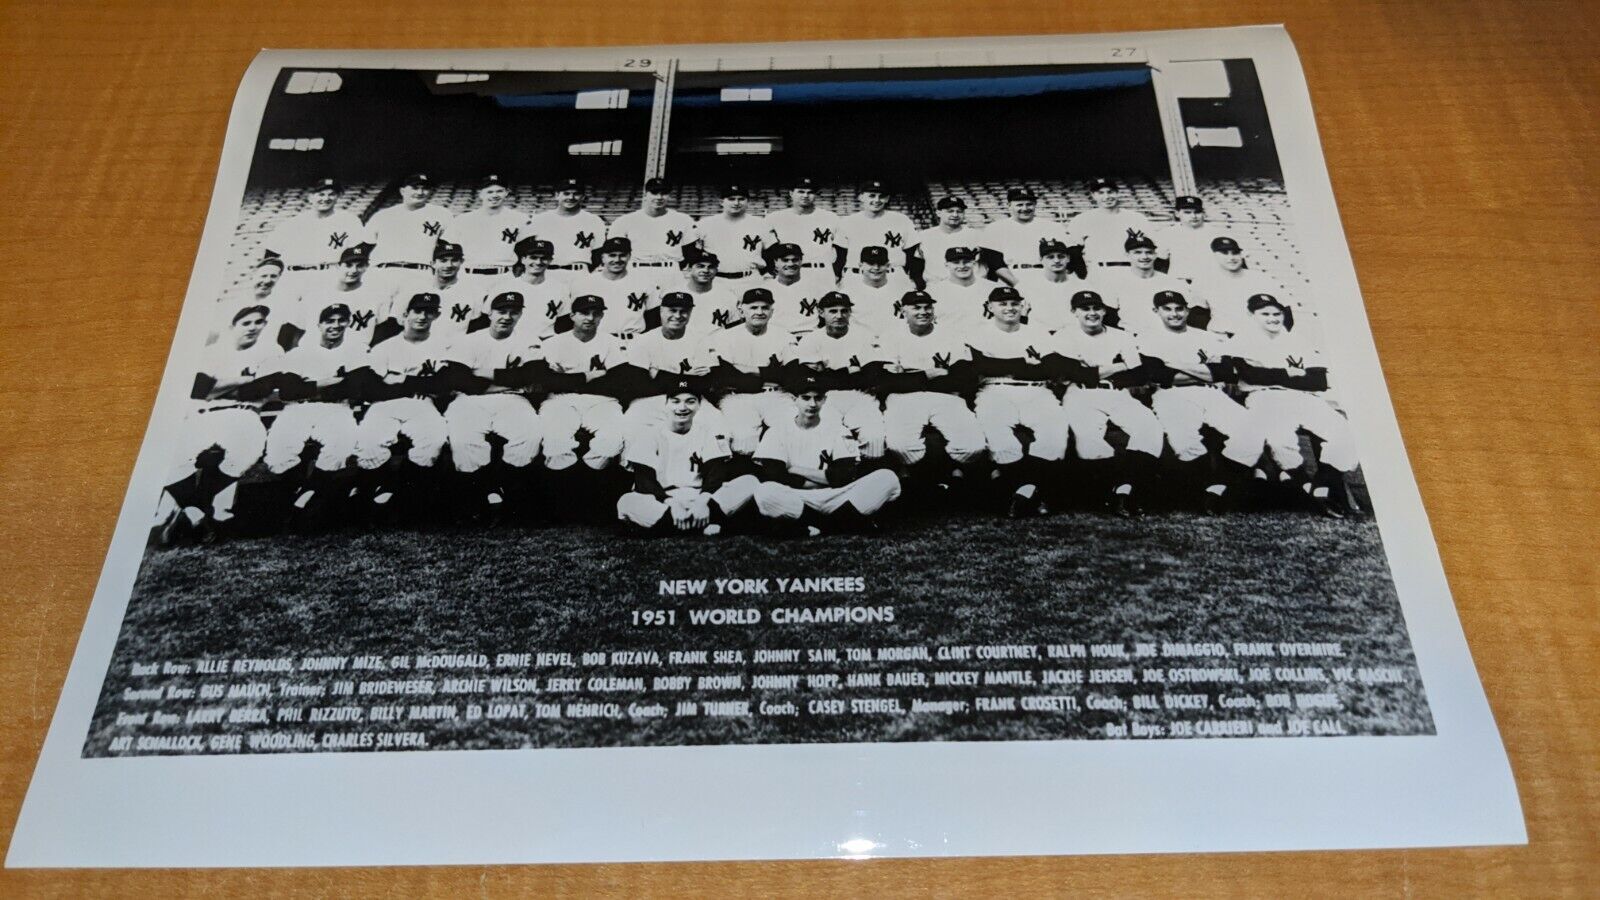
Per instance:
(545,300)
(716,307)
(906,414)
(564,413)
(1183,408)
(369,305)
(737,242)
(1019,241)
(877,306)
(330,423)
(1131,294)
(844,357)
(656,353)
(310,241)
(226,422)
(889,229)
(814,232)
(1226,294)
(471,418)
(794,306)
(655,239)
(487,236)
(627,298)
(678,460)
(1049,301)
(812,450)
(404,239)
(1102,232)
(1277,412)
(1006,401)
(747,413)
(1090,409)
(1187,248)
(461,302)
(960,309)
(574,235)
(936,240)
(415,416)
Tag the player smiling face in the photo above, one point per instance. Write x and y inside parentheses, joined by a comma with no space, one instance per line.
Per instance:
(1106,197)
(757,312)
(493,196)
(1174,315)
(803,198)
(703,272)
(570,199)
(351,271)
(877,271)
(1092,318)
(448,267)
(265,278)
(1270,318)
(415,194)
(503,320)
(332,324)
(808,408)
(586,322)
(1054,262)
(961,269)
(952,217)
(1006,310)
(874,201)
(535,263)
(681,409)
(675,320)
(1231,260)
(323,199)
(614,261)
(1023,210)
(1142,258)
(788,266)
(919,315)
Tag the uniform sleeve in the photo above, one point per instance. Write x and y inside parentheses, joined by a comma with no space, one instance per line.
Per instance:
(641,449)
(843,446)
(772,447)
(714,446)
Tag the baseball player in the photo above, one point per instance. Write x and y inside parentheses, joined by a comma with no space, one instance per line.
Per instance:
(261,291)
(544,297)
(849,362)
(748,359)
(312,239)
(951,231)
(488,234)
(735,235)
(1187,364)
(578,361)
(666,355)
(222,437)
(1049,288)
(573,231)
(1126,290)
(1226,288)
(315,386)
(404,235)
(875,225)
(962,296)
(878,288)
(926,373)
(795,289)
(460,298)
(348,284)
(1186,243)
(805,225)
(1102,362)
(501,360)
(1285,383)
(630,294)
(1101,230)
(407,369)
(682,474)
(657,232)
(811,471)
(716,300)
(1013,391)
(1019,237)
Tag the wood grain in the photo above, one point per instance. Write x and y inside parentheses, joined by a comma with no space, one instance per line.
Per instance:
(1462,140)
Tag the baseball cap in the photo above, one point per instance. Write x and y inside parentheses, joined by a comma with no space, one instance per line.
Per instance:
(357,253)
(588,303)
(756,295)
(1099,183)
(1162,298)
(491,181)
(875,255)
(248,310)
(447,250)
(532,246)
(952,254)
(1224,244)
(692,254)
(1020,193)
(329,310)
(1051,245)
(676,299)
(806,383)
(1137,240)
(803,181)
(916,298)
(1257,301)
(1003,293)
(1188,201)
(1087,300)
(684,384)
(784,248)
(270,259)
(570,184)
(657,186)
(323,184)
(834,298)
(425,300)
(950,203)
(735,190)
(616,245)
(507,300)
(416,179)
(876,187)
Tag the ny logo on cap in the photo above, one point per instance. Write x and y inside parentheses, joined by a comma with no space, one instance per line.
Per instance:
(509,235)
(822,235)
(336,239)
(359,321)
(458,312)
(583,239)
(752,241)
(674,238)
(636,301)
(433,229)
(892,239)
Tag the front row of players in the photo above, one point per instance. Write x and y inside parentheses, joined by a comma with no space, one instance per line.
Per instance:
(750,428)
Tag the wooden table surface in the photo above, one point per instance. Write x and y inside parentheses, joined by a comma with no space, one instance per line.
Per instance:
(1463,140)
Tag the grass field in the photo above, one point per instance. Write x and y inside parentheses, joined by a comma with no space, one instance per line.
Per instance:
(952,581)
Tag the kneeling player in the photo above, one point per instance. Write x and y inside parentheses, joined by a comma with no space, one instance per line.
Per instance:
(925,378)
(809,466)
(680,471)
(1285,385)
(313,384)
(407,369)
(498,363)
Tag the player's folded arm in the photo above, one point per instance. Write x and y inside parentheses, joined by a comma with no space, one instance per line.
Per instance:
(611,383)
(565,382)
(840,471)
(1222,370)
(730,379)
(1314,379)
(645,480)
(1160,374)
(626,381)
(716,472)
(1199,316)
(1264,376)
(776,470)
(457,377)
(526,374)
(1133,376)
(203,385)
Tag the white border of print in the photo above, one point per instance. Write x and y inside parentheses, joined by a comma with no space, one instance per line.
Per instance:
(798,801)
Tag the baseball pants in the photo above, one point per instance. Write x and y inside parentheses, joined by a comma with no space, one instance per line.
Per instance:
(906,415)
(564,414)
(1089,410)
(238,432)
(746,414)
(471,418)
(648,512)
(1183,410)
(332,425)
(868,494)
(415,417)
(1000,408)
(862,415)
(1279,414)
